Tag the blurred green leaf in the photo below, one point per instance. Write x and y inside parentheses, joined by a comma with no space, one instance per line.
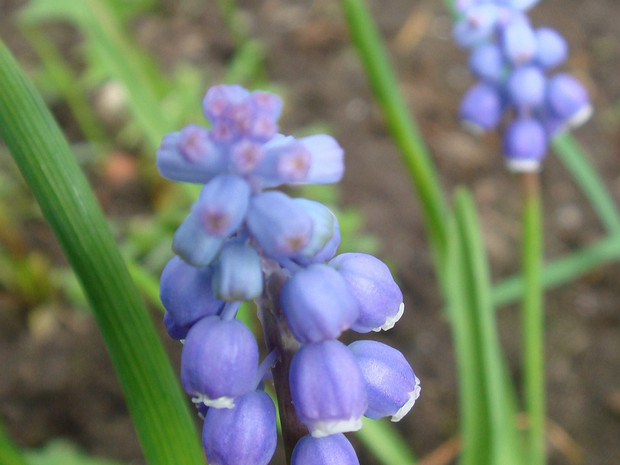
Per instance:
(158,407)
(61,452)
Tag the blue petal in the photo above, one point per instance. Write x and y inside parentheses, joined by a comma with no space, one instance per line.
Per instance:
(327,165)
(193,245)
(391,385)
(222,205)
(185,292)
(318,304)
(238,274)
(327,388)
(244,435)
(219,361)
(325,233)
(280,226)
(331,450)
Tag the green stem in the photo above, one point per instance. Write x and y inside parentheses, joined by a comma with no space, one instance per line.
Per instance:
(533,320)
(402,126)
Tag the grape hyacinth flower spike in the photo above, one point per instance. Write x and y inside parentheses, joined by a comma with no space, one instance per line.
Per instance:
(244,241)
(512,61)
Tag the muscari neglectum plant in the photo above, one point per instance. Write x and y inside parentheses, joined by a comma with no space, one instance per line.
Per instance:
(243,240)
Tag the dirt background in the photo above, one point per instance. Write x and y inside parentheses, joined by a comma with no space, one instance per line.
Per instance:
(56,379)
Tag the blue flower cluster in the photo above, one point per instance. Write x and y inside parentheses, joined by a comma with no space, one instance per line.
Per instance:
(238,235)
(511,60)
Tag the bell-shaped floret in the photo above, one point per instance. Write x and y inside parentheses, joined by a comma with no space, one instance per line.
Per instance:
(243,435)
(568,99)
(526,88)
(245,156)
(189,156)
(193,244)
(325,233)
(219,100)
(222,205)
(524,145)
(327,388)
(391,385)
(481,108)
(281,227)
(487,62)
(378,297)
(238,275)
(552,48)
(519,42)
(477,25)
(285,160)
(327,159)
(185,292)
(330,450)
(175,331)
(318,304)
(219,361)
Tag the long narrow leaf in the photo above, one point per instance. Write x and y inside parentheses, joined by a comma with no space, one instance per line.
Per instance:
(155,401)
(472,399)
(562,270)
(475,273)
(385,443)
(568,151)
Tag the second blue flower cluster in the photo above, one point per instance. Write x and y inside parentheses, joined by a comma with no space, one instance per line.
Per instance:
(237,235)
(511,60)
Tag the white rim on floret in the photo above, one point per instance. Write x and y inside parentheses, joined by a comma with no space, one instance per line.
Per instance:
(581,116)
(391,320)
(413,396)
(220,402)
(320,429)
(523,166)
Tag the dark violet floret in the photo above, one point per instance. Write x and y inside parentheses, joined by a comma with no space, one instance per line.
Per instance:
(327,388)
(525,144)
(318,304)
(245,434)
(219,361)
(330,450)
(391,385)
(185,292)
(481,108)
(378,297)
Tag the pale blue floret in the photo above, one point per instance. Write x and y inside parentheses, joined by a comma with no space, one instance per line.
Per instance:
(193,244)
(391,384)
(552,48)
(185,292)
(243,435)
(238,275)
(481,108)
(379,299)
(327,156)
(327,388)
(487,62)
(325,233)
(526,88)
(318,304)
(478,24)
(219,361)
(222,205)
(525,144)
(568,99)
(330,450)
(280,226)
(519,42)
(189,156)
